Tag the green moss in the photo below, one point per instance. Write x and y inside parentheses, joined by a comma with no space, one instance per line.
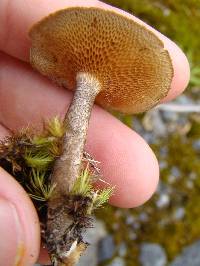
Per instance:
(30,156)
(162,226)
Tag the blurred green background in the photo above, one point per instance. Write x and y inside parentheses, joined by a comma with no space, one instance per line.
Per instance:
(177,19)
(172,217)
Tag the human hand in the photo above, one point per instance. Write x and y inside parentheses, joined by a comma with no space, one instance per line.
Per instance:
(27,97)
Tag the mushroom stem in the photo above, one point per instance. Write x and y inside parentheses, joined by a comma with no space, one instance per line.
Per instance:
(61,230)
(67,166)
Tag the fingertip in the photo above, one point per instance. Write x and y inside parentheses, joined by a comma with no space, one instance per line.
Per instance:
(11,191)
(141,178)
(44,257)
(181,70)
(126,160)
(179,60)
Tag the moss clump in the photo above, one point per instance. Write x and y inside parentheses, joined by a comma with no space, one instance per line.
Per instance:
(30,157)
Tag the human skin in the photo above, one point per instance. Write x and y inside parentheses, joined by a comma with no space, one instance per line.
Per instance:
(27,97)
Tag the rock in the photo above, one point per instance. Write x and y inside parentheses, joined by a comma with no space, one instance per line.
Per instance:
(143,216)
(152,121)
(93,236)
(190,184)
(162,188)
(137,126)
(162,164)
(106,248)
(196,145)
(117,262)
(184,100)
(152,254)
(122,249)
(175,171)
(163,201)
(169,116)
(132,235)
(190,256)
(130,219)
(179,213)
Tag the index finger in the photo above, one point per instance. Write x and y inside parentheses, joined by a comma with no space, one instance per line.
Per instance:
(16,18)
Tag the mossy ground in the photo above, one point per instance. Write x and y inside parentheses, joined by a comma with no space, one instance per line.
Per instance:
(151,223)
(177,153)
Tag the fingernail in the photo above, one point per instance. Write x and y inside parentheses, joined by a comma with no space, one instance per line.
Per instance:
(11,243)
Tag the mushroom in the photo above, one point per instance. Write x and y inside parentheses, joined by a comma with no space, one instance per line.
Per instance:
(105,57)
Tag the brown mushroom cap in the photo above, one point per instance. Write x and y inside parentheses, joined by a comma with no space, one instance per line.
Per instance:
(130,61)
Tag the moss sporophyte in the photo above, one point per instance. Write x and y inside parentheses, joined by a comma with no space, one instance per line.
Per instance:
(105,57)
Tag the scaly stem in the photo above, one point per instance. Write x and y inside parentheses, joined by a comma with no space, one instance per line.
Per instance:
(67,166)
(60,235)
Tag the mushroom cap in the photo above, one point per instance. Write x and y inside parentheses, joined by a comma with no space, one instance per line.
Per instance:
(129,60)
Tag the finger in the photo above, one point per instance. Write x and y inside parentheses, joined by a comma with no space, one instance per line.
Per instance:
(19,225)
(43,256)
(3,132)
(16,18)
(26,102)
(181,71)
(126,159)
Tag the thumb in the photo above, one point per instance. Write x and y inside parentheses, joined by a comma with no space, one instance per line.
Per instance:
(11,233)
(19,225)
